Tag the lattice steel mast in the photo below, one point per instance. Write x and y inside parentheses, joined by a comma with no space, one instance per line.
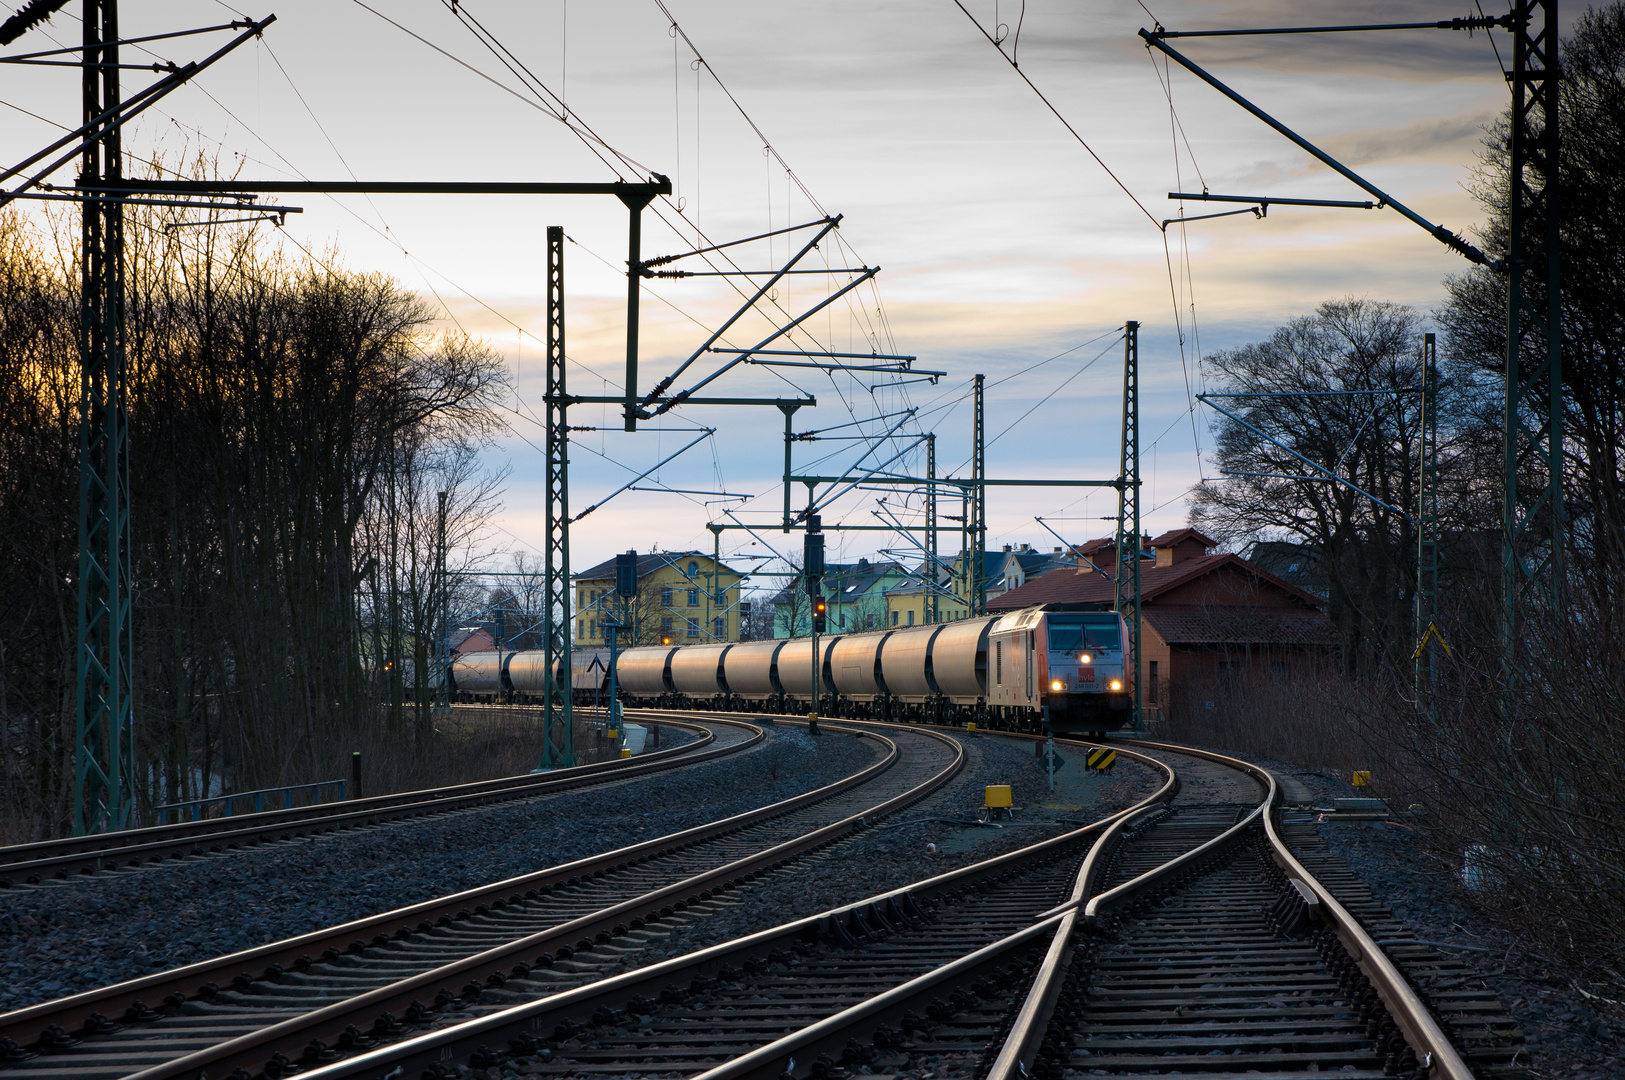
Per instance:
(931,582)
(104,766)
(1533,512)
(1427,519)
(976,519)
(1126,598)
(558,723)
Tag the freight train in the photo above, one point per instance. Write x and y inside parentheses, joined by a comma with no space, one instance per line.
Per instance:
(1031,670)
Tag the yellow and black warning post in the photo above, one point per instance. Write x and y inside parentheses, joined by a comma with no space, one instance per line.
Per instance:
(1101,759)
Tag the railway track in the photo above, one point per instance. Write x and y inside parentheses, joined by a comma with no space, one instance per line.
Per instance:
(65,859)
(295,1004)
(952,949)
(1183,935)
(1232,959)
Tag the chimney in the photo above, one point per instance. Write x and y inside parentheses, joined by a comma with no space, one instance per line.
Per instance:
(1007,549)
(1175,547)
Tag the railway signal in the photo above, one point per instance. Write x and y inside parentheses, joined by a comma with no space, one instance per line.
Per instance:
(820,611)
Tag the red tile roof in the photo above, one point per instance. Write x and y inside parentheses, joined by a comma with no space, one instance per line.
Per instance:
(1174,536)
(1240,626)
(1069,587)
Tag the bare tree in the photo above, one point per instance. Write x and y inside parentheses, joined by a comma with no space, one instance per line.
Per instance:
(1344,383)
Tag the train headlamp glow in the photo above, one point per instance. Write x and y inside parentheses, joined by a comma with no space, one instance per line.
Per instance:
(1056,685)
(1116,685)
(1084,658)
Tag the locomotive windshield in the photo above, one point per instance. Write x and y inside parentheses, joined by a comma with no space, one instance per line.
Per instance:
(1070,633)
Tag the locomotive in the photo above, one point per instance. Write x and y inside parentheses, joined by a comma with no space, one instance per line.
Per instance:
(1033,670)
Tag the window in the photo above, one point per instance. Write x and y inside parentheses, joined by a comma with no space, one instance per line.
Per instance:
(911,616)
(869,621)
(693,598)
(693,629)
(719,628)
(894,618)
(665,597)
(1152,674)
(722,597)
(665,626)
(693,569)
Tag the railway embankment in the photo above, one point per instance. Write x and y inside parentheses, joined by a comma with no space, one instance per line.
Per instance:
(59,940)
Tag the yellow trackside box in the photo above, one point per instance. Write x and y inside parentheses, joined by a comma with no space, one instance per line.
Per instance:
(626,751)
(998,796)
(611,733)
(1362,778)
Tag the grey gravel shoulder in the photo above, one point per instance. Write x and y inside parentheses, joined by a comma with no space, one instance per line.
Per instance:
(60,941)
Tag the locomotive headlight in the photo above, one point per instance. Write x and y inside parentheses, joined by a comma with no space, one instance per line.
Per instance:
(1057,685)
(1117,684)
(1083,658)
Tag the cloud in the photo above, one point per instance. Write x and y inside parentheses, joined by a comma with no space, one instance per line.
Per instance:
(1451,138)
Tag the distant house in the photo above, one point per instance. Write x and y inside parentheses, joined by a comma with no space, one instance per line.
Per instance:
(855,594)
(1294,563)
(684,597)
(1202,616)
(472,639)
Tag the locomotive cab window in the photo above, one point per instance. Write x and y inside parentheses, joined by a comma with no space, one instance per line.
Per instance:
(1070,633)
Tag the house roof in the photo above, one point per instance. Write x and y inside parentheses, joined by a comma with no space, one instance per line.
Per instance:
(1240,626)
(1174,536)
(848,582)
(1031,561)
(1065,586)
(648,563)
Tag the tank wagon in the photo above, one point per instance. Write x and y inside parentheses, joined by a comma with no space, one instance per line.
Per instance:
(520,677)
(1030,670)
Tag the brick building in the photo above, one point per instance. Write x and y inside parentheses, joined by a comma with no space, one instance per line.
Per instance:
(1202,616)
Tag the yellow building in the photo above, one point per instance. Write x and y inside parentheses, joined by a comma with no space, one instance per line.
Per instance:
(684,597)
(905,605)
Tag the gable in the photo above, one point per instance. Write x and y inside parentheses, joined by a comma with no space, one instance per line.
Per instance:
(1230,584)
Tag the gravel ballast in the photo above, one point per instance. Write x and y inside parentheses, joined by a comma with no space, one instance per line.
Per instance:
(62,939)
(894,852)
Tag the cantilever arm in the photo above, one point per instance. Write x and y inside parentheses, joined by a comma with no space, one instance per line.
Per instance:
(1439,232)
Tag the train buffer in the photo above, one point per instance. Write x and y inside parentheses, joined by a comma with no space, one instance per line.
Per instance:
(1101,759)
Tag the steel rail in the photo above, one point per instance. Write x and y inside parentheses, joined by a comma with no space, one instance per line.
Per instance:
(26,1025)
(250,1052)
(766,1062)
(1423,1033)
(70,856)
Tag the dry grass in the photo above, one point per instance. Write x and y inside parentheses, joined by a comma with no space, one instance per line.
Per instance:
(468,744)
(1298,719)
(1528,772)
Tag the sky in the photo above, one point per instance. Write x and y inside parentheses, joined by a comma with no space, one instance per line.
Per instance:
(1004,244)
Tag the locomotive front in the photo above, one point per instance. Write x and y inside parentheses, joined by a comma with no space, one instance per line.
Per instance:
(1088,686)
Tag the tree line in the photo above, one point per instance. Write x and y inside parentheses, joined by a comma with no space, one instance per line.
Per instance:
(291,425)
(1349,374)
(1514,748)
